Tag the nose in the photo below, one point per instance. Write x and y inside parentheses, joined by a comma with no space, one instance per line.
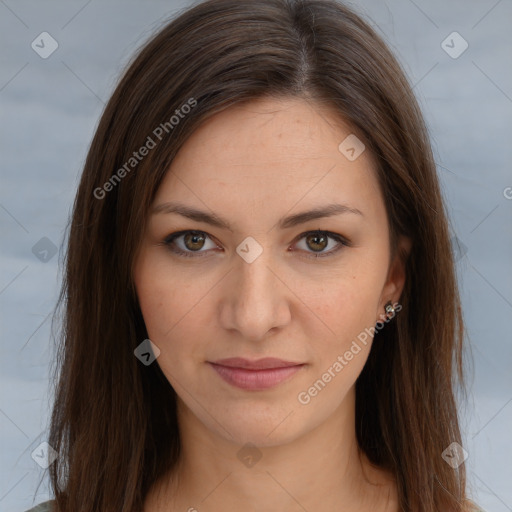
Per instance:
(255,298)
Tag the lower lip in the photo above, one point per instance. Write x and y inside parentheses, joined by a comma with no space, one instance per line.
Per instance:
(255,380)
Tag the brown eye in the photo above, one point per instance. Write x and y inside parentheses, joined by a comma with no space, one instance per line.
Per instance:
(317,242)
(189,243)
(193,241)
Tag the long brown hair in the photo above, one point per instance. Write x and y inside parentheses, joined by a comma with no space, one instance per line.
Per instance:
(114,421)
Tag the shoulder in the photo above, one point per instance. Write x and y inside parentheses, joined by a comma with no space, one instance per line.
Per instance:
(46,506)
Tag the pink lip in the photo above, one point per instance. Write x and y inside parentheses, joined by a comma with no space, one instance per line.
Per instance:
(255,375)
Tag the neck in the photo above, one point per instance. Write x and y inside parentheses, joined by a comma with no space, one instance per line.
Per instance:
(322,470)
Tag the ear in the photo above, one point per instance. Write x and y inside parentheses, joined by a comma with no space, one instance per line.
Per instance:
(395,281)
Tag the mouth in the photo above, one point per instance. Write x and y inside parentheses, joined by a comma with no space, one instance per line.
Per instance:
(255,375)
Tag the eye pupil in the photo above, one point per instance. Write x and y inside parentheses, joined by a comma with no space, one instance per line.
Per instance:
(193,241)
(193,237)
(316,237)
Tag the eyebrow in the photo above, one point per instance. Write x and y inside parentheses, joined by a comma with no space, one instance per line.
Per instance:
(286,222)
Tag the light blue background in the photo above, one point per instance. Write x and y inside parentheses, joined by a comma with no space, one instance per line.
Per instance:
(50,108)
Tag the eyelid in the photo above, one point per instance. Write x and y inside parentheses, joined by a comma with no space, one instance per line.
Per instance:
(168,241)
(342,241)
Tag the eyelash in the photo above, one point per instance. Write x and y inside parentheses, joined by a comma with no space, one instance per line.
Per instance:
(199,254)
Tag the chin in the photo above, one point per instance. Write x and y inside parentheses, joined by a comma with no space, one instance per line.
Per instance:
(263,425)
(261,434)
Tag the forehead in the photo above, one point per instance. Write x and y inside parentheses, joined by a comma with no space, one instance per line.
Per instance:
(272,153)
(290,128)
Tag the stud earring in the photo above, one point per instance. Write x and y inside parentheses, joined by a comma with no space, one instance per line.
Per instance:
(389,309)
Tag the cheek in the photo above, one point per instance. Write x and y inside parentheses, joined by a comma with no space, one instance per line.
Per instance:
(172,306)
(346,304)
(164,309)
(158,297)
(153,301)
(348,309)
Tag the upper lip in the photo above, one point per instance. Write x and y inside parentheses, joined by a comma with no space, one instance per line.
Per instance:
(258,364)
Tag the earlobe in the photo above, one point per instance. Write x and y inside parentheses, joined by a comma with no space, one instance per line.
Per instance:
(395,282)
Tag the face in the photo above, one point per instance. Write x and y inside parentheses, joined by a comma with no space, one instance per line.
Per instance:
(252,277)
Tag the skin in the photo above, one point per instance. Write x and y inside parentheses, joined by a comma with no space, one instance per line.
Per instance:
(252,165)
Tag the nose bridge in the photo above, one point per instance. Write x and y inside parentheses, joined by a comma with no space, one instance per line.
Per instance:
(255,298)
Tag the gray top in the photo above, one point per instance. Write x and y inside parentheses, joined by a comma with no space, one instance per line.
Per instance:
(47,506)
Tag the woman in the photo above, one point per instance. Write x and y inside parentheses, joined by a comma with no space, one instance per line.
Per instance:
(261,308)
